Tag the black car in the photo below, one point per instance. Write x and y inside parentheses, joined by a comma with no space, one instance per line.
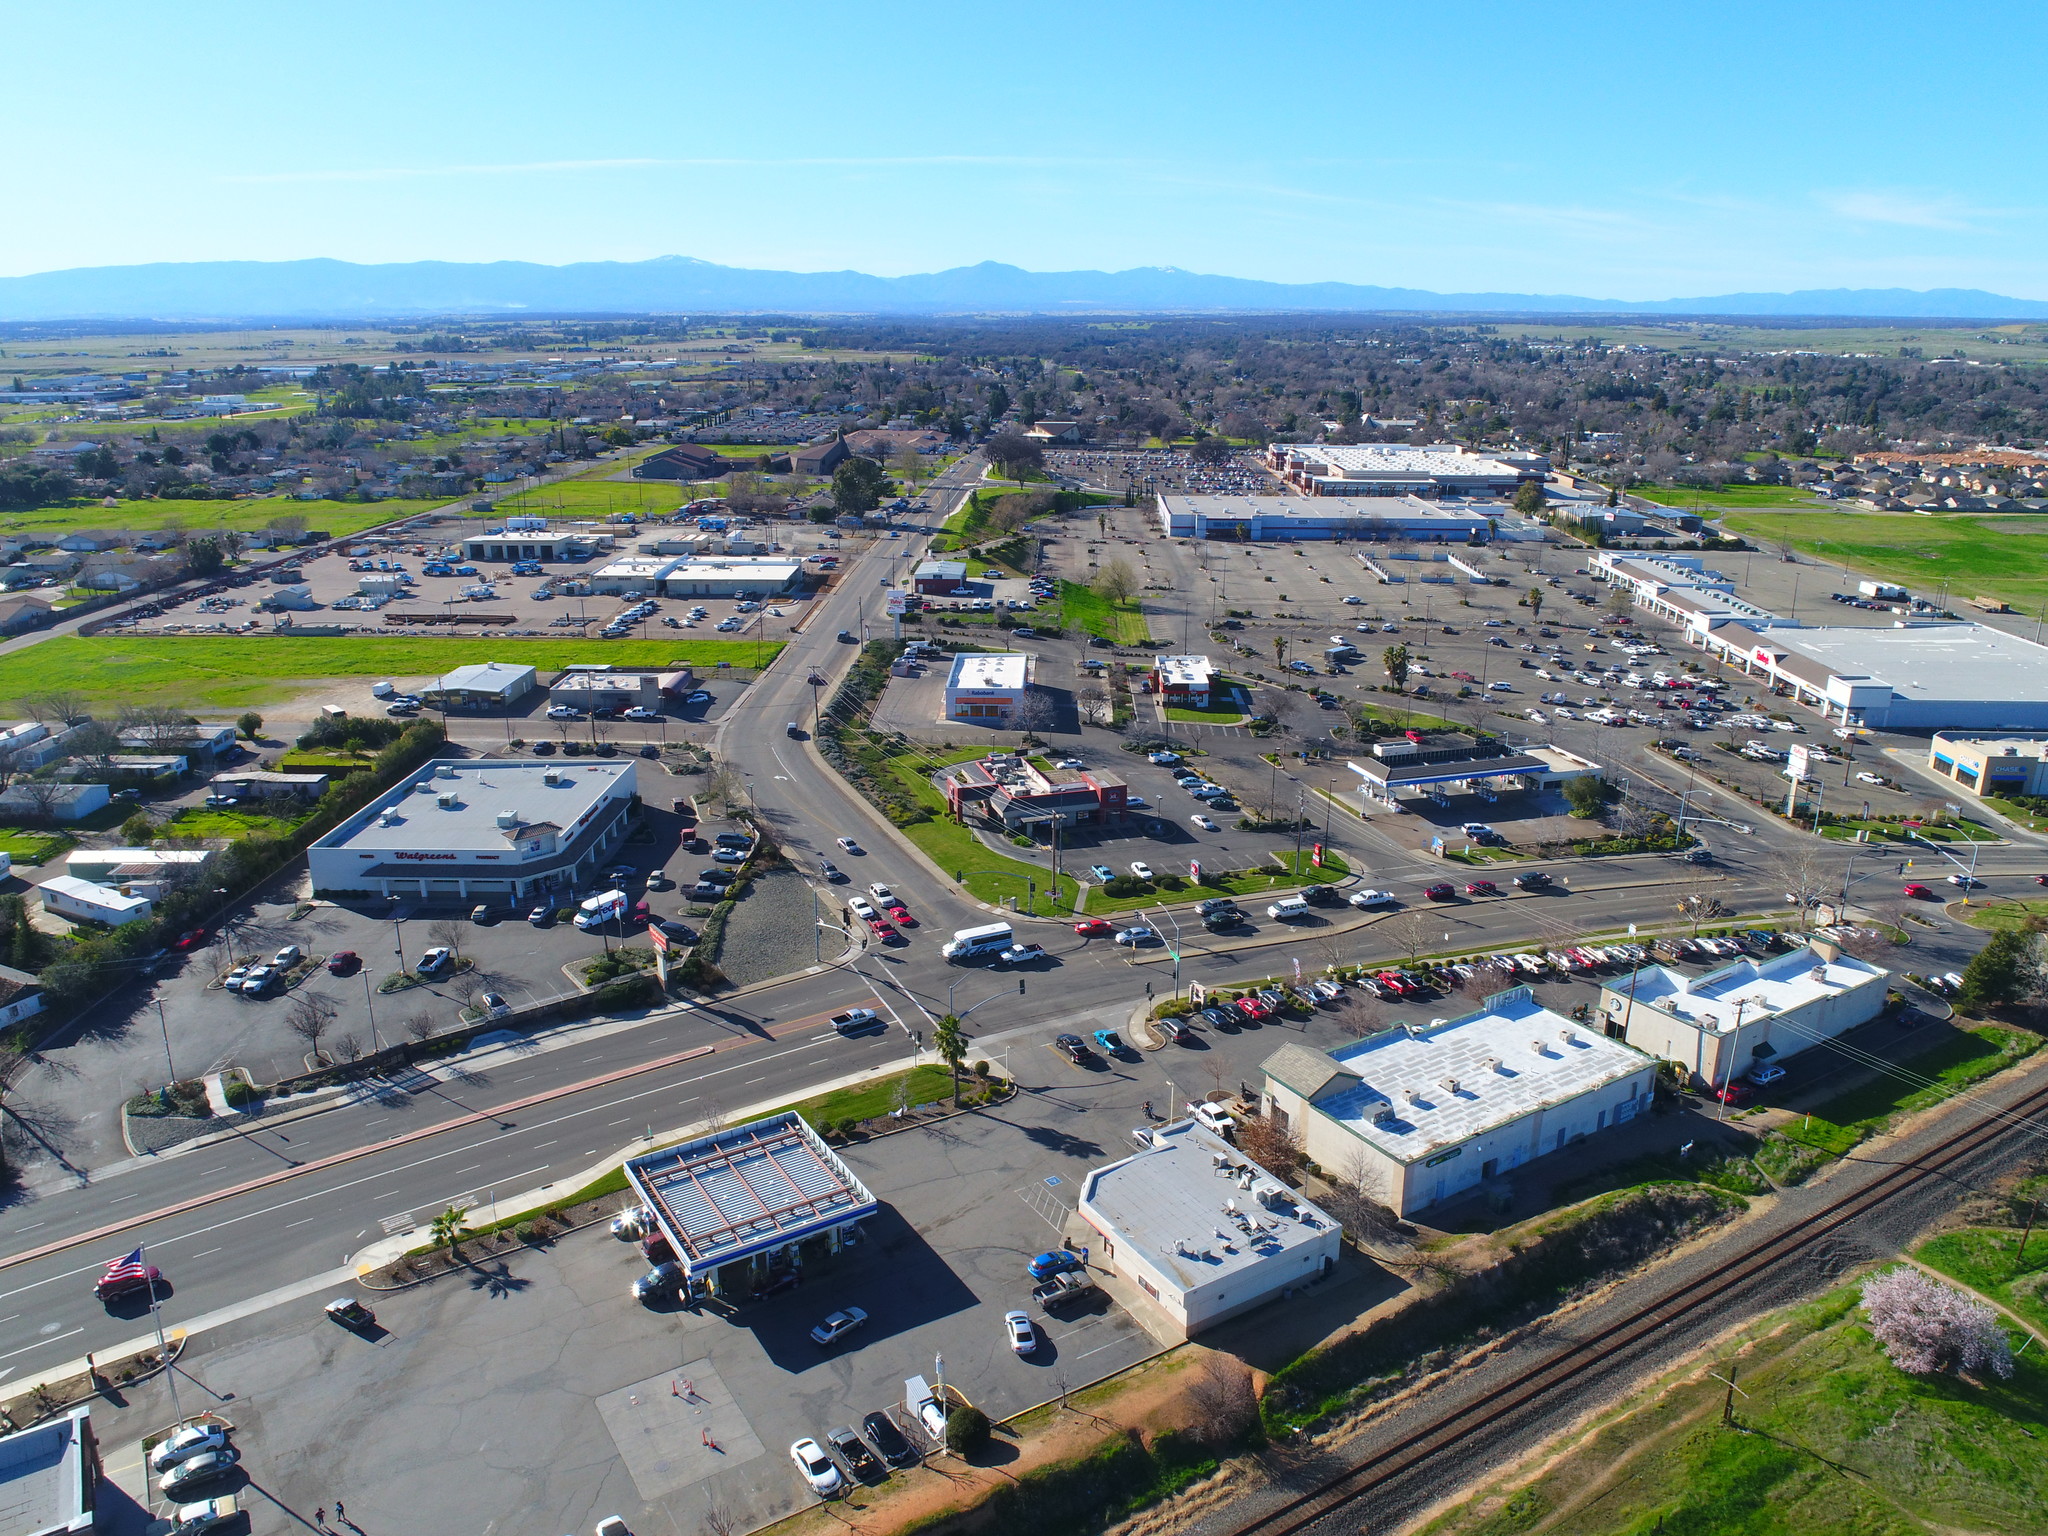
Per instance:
(1073,1047)
(1535,880)
(1322,896)
(718,874)
(1220,922)
(881,1432)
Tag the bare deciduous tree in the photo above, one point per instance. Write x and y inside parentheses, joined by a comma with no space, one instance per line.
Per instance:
(447,932)
(348,1048)
(1034,712)
(312,1014)
(1220,1400)
(1270,1145)
(420,1027)
(1409,931)
(1700,905)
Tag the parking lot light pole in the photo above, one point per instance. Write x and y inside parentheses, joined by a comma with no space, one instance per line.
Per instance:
(371,1006)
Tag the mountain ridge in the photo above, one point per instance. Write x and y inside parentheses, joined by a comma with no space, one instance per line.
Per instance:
(324,287)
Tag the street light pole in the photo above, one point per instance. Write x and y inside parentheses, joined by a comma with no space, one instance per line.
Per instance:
(173,1071)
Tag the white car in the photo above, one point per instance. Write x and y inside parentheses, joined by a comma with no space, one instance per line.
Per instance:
(860,908)
(1203,822)
(1354,601)
(1215,1117)
(1539,717)
(1163,757)
(1363,629)
(563,712)
(1372,898)
(1784,725)
(1070,762)
(848,844)
(1868,778)
(1135,935)
(1023,1337)
(881,893)
(1141,869)
(637,712)
(182,1444)
(1502,687)
(820,1471)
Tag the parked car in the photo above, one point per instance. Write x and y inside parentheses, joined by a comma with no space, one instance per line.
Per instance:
(1073,1047)
(344,962)
(819,1471)
(1140,869)
(881,1432)
(1055,1261)
(1112,1043)
(1215,1117)
(838,1326)
(435,960)
(186,1442)
(197,1471)
(852,1450)
(1022,1336)
(1101,873)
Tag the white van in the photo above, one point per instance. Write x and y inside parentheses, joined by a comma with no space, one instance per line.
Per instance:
(382,690)
(601,909)
(1288,907)
(989,939)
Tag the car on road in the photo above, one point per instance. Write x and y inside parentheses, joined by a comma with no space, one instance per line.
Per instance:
(1441,891)
(1021,954)
(854,1452)
(830,871)
(1373,899)
(1093,927)
(1535,880)
(1967,882)
(1135,935)
(1481,888)
(881,893)
(848,844)
(1074,1048)
(838,1326)
(1022,1336)
(185,1443)
(1920,891)
(344,962)
(1140,869)
(820,1472)
(881,1432)
(197,1471)
(855,1018)
(1055,1261)
(1204,823)
(1223,919)
(860,908)
(665,1279)
(902,914)
(1112,1043)
(1102,873)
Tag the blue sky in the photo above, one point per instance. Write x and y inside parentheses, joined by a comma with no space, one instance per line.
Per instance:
(1612,150)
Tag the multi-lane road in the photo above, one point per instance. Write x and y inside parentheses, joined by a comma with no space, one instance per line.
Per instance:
(284,1206)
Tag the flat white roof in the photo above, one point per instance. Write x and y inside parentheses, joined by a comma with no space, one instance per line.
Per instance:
(1365,461)
(990,669)
(776,568)
(651,566)
(1188,1212)
(1319,509)
(482,788)
(86,893)
(1443,1085)
(1763,989)
(1924,661)
(1186,671)
(1994,743)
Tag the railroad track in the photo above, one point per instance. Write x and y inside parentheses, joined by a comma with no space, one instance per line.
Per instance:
(1446,1430)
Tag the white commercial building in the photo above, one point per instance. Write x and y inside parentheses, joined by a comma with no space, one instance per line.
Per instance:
(1416,1115)
(136,871)
(68,896)
(634,575)
(987,685)
(1403,469)
(1290,519)
(1748,1013)
(480,828)
(734,576)
(485,684)
(1202,1230)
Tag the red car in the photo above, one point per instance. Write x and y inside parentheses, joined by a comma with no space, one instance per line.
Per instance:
(902,914)
(344,962)
(108,1286)
(191,940)
(1482,888)
(1918,890)
(1441,891)
(1257,1007)
(1735,1094)
(1091,927)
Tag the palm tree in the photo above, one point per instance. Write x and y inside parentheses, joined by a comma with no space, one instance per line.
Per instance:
(1535,601)
(448,1230)
(951,1044)
(1279,650)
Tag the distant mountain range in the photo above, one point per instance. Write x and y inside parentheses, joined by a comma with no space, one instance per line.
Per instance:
(326,289)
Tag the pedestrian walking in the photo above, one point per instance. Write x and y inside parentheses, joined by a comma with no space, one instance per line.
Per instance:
(320,1517)
(340,1513)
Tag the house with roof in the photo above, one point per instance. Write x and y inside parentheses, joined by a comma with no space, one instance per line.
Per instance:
(1419,1114)
(820,458)
(684,461)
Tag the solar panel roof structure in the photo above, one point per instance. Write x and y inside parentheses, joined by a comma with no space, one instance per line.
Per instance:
(746,1190)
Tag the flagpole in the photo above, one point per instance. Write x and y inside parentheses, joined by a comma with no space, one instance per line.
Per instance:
(163,1348)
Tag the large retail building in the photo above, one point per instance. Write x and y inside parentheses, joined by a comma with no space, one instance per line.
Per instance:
(480,828)
(1403,469)
(1291,519)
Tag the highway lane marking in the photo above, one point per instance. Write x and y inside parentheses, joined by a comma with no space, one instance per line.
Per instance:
(213,1250)
(307,1222)
(223,1168)
(32,1226)
(40,1343)
(119,1198)
(449,1200)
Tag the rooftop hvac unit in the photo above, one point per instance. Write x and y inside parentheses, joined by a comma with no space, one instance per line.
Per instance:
(508,819)
(1413,1095)
(1490,1064)
(1539,1047)
(446,770)
(1449,1085)
(552,776)
(1567,1037)
(447,800)
(1384,1115)
(424,787)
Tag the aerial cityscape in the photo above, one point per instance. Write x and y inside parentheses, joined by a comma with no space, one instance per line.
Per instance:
(1116,793)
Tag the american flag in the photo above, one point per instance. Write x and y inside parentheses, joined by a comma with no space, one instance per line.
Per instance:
(130,1268)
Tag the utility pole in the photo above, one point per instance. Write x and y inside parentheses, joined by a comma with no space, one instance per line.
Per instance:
(168,1068)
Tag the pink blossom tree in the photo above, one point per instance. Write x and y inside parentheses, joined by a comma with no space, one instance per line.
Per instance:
(1927,1327)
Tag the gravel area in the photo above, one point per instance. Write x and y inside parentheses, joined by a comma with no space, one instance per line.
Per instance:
(770,933)
(159,1133)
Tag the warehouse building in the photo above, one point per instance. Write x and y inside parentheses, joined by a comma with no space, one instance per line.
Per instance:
(1416,1115)
(477,828)
(746,1207)
(484,685)
(2006,765)
(1291,519)
(540,543)
(939,578)
(67,896)
(590,688)
(734,576)
(1202,1230)
(1403,469)
(987,686)
(1747,1014)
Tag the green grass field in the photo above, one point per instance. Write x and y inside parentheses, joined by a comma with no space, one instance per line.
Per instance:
(235,673)
(1228,704)
(1997,913)
(1988,1259)
(1966,1057)
(1829,1438)
(199,821)
(990,877)
(598,497)
(335,517)
(26,847)
(1085,608)
(1732,498)
(1921,552)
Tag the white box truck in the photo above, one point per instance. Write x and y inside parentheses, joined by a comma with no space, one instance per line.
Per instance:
(989,939)
(1880,589)
(600,909)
